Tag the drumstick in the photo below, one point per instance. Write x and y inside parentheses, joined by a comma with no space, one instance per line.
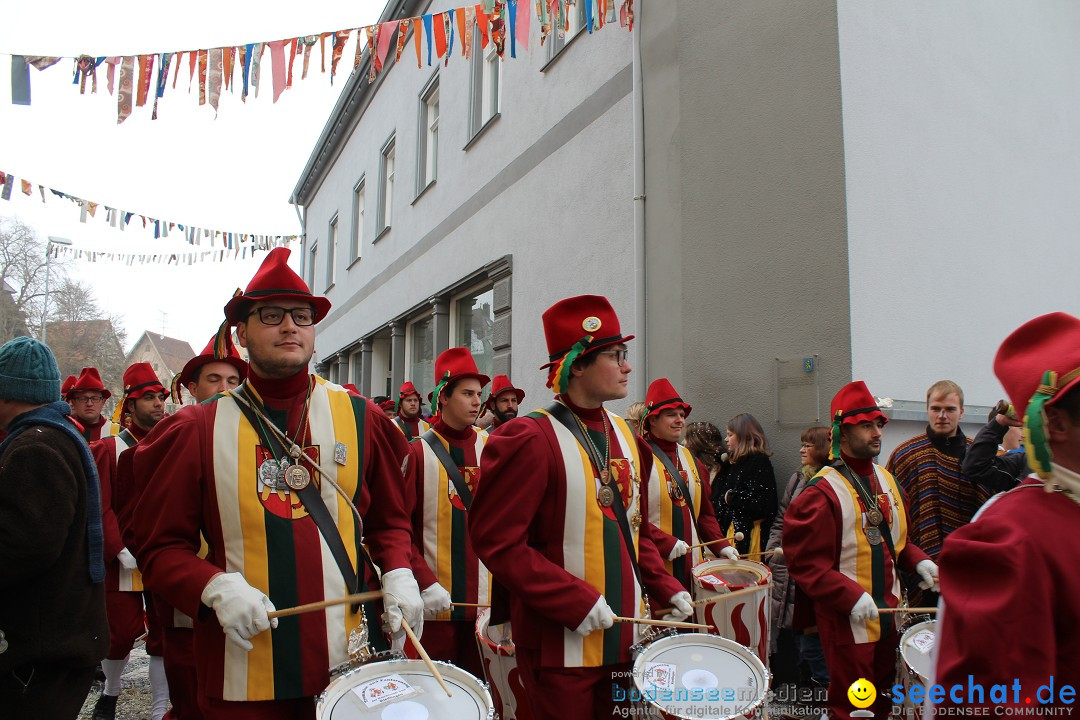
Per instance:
(724,596)
(738,538)
(470,605)
(763,553)
(424,656)
(921,611)
(311,607)
(661,623)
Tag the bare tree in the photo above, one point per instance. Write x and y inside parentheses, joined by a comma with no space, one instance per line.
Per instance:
(22,269)
(81,334)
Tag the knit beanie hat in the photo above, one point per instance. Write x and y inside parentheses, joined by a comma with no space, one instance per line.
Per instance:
(28,372)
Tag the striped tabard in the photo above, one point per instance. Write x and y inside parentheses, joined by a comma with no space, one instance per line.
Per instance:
(593,548)
(871,566)
(672,515)
(405,427)
(447,548)
(269,538)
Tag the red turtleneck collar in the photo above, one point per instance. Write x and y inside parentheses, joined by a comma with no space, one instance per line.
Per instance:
(457,437)
(137,432)
(280,389)
(863,467)
(665,445)
(587,414)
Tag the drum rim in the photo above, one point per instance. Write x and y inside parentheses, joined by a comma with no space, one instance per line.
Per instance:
(499,649)
(741,650)
(762,570)
(921,625)
(449,671)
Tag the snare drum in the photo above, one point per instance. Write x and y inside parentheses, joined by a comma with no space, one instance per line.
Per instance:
(501,671)
(916,660)
(694,675)
(744,619)
(404,690)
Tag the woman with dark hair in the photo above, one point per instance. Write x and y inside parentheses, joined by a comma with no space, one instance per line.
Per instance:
(786,619)
(744,493)
(706,443)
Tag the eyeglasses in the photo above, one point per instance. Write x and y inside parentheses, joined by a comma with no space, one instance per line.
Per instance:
(270,315)
(87,399)
(621,356)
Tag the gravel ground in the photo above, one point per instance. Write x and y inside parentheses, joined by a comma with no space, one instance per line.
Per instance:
(135,698)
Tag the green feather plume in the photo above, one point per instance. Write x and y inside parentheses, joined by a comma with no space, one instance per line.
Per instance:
(1039,456)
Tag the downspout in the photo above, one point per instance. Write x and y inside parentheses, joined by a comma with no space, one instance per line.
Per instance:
(640,325)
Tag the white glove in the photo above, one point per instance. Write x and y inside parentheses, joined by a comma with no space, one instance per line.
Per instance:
(680,548)
(401,598)
(127,559)
(436,600)
(730,553)
(241,609)
(928,571)
(681,607)
(599,618)
(865,609)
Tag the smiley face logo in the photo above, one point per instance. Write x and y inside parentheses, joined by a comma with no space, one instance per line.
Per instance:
(861,693)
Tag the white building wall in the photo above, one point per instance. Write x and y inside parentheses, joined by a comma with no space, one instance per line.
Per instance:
(549,182)
(963,174)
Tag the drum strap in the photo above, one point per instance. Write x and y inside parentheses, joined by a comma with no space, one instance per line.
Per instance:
(127,437)
(313,501)
(677,477)
(566,417)
(448,464)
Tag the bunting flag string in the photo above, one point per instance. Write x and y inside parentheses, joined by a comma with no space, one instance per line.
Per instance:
(503,22)
(240,244)
(158,258)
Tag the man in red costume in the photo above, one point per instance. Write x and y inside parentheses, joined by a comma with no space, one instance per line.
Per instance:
(504,401)
(87,397)
(1009,613)
(444,469)
(144,403)
(845,540)
(253,472)
(407,413)
(557,520)
(680,512)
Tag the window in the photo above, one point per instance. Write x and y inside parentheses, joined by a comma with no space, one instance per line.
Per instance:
(357,243)
(420,365)
(487,78)
(429,136)
(331,252)
(559,38)
(313,255)
(474,323)
(386,188)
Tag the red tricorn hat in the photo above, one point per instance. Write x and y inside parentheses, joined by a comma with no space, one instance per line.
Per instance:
(90,380)
(406,390)
(386,405)
(213,353)
(661,394)
(140,379)
(852,405)
(454,364)
(66,387)
(575,327)
(275,280)
(502,384)
(1038,364)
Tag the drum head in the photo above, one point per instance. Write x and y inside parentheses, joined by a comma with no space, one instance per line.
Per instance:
(696,675)
(731,574)
(404,690)
(916,647)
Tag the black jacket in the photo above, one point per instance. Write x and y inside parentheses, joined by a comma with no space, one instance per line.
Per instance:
(50,612)
(983,466)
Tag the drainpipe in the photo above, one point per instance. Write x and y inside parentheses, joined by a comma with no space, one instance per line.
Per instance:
(641,375)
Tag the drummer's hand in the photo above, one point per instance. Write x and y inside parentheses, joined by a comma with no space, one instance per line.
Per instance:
(864,609)
(241,609)
(681,607)
(599,618)
(436,600)
(928,571)
(401,599)
(730,553)
(678,550)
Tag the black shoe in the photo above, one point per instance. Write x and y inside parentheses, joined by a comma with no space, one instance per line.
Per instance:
(105,709)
